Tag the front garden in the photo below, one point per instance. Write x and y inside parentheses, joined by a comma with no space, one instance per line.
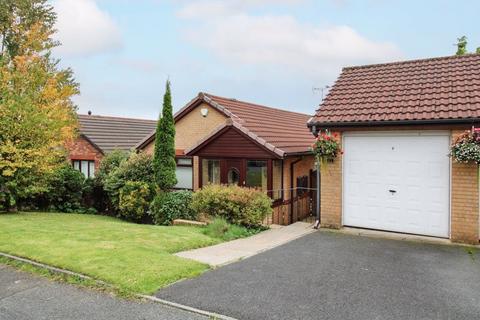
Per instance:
(135,258)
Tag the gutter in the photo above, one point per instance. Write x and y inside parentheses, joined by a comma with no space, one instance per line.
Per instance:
(315,125)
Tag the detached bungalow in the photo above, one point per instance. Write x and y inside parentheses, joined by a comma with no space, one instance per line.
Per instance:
(397,122)
(227,141)
(100,135)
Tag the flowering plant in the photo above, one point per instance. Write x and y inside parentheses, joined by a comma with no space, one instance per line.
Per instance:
(326,147)
(466,147)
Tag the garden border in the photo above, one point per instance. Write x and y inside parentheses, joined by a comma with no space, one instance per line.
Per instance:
(209,314)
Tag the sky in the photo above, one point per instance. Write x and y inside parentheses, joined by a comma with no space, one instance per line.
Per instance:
(272,52)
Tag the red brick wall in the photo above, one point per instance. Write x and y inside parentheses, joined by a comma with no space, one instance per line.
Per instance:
(81,149)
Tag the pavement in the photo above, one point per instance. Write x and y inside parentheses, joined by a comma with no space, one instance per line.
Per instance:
(328,275)
(235,250)
(24,296)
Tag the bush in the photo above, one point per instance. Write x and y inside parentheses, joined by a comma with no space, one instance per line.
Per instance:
(138,168)
(109,163)
(242,206)
(96,195)
(134,199)
(219,228)
(169,206)
(65,186)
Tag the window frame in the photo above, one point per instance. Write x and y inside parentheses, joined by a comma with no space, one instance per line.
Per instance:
(89,161)
(185,166)
(223,171)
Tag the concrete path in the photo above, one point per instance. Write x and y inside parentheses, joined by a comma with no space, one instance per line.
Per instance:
(334,276)
(24,296)
(235,250)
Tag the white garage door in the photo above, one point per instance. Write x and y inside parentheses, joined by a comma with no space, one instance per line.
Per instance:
(397,182)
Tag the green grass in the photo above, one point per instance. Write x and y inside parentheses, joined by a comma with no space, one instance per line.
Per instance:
(219,228)
(133,258)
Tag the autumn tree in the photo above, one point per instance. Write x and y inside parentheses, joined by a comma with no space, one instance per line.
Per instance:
(164,155)
(37,116)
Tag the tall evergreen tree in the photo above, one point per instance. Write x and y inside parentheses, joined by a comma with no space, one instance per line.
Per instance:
(164,155)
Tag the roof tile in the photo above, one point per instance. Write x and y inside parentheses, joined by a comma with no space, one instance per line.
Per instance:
(428,89)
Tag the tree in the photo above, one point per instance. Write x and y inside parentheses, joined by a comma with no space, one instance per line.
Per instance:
(461,46)
(164,155)
(37,115)
(478,50)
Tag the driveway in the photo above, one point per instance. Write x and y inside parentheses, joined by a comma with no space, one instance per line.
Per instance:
(328,275)
(24,296)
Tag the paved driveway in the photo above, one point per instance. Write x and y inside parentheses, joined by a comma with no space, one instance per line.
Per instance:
(23,296)
(329,275)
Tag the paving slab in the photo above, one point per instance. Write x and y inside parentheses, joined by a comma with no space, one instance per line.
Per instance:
(235,250)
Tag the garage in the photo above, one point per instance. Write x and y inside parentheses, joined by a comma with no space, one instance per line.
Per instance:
(396,123)
(397,182)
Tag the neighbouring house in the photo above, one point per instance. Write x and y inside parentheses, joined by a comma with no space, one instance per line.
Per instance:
(397,121)
(227,141)
(100,135)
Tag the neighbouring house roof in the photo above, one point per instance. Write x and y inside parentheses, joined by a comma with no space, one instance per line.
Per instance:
(445,89)
(112,133)
(280,131)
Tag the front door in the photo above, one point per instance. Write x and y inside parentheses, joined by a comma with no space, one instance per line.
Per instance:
(233,172)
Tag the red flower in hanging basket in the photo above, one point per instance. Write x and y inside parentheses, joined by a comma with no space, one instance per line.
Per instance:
(327,147)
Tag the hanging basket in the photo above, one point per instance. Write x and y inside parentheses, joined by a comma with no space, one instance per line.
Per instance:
(326,147)
(466,147)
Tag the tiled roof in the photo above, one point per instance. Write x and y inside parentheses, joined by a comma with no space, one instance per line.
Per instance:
(284,130)
(441,89)
(111,133)
(281,131)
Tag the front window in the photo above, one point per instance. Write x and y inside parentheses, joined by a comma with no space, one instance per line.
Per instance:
(87,167)
(184,173)
(210,171)
(257,174)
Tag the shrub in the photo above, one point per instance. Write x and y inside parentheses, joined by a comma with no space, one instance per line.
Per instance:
(221,229)
(169,206)
(93,195)
(243,206)
(138,167)
(109,163)
(134,199)
(65,187)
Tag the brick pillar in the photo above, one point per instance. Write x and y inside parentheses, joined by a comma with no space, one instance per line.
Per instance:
(464,202)
(331,193)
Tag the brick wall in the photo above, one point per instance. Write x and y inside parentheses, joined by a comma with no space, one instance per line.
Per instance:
(331,193)
(464,201)
(82,149)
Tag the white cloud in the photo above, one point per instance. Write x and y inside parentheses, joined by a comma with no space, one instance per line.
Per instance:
(204,8)
(238,37)
(84,29)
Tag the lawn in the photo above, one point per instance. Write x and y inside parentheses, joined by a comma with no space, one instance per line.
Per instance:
(135,258)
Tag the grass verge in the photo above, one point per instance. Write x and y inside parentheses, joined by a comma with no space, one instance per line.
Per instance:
(132,258)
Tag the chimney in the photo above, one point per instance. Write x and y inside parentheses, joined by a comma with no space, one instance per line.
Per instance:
(89,112)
